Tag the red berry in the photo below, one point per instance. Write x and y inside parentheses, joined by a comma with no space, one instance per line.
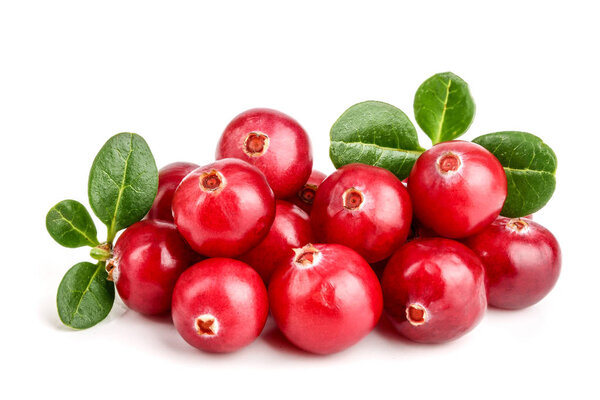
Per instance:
(522,261)
(169,177)
(365,208)
(434,290)
(147,260)
(273,142)
(224,209)
(457,188)
(306,195)
(220,305)
(325,298)
(290,229)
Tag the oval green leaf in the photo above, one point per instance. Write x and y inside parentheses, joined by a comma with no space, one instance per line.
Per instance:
(530,167)
(123,182)
(70,224)
(85,296)
(375,133)
(443,106)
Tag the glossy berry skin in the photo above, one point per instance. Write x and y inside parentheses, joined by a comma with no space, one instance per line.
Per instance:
(224,209)
(220,305)
(434,290)
(325,298)
(274,143)
(306,195)
(522,261)
(457,188)
(169,177)
(365,208)
(291,228)
(147,259)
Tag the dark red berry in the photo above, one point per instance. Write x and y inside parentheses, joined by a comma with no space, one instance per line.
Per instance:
(325,298)
(306,195)
(365,208)
(457,188)
(290,229)
(273,142)
(147,259)
(434,290)
(220,305)
(224,209)
(169,177)
(522,261)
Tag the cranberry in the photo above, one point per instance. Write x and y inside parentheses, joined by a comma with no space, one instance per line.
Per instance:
(273,142)
(147,259)
(224,209)
(522,261)
(325,298)
(290,229)
(365,208)
(220,305)
(306,195)
(169,178)
(434,290)
(457,188)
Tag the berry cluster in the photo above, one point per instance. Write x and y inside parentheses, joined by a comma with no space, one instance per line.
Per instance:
(334,252)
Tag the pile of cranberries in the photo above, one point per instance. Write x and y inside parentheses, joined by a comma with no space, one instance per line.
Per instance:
(336,251)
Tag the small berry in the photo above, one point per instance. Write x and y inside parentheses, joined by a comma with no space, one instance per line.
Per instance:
(306,195)
(365,208)
(220,305)
(325,298)
(291,228)
(457,188)
(434,290)
(522,261)
(274,143)
(224,209)
(169,177)
(147,259)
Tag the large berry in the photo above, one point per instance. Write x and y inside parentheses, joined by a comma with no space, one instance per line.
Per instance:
(457,188)
(224,209)
(273,142)
(522,261)
(365,208)
(147,259)
(325,298)
(434,290)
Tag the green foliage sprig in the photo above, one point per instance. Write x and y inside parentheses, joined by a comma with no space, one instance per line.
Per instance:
(122,185)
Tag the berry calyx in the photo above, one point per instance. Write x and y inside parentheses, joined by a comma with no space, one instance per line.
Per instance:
(306,256)
(416,314)
(448,162)
(256,144)
(207,325)
(211,181)
(352,199)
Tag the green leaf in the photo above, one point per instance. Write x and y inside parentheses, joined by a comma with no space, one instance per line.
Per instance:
(85,296)
(444,108)
(530,167)
(71,225)
(123,182)
(375,133)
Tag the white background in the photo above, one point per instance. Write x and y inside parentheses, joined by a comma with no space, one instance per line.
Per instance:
(74,73)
